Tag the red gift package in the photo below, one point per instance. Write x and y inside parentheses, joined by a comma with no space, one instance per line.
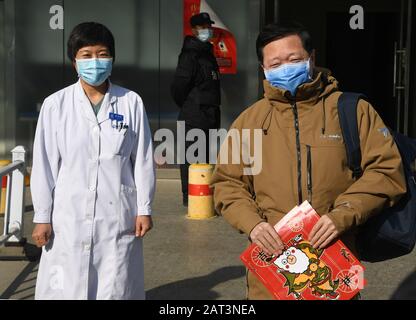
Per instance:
(302,272)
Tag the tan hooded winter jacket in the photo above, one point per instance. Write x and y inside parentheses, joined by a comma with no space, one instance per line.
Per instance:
(309,164)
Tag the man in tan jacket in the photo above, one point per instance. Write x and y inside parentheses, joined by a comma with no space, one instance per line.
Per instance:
(303,155)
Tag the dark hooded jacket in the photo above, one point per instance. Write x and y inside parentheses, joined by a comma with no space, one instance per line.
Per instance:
(196,85)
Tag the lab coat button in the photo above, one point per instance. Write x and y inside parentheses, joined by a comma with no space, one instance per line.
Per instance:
(92,188)
(87,247)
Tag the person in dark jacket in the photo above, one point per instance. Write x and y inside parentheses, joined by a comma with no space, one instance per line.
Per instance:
(196,87)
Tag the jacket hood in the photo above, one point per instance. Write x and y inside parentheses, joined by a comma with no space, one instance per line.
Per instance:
(322,85)
(193,43)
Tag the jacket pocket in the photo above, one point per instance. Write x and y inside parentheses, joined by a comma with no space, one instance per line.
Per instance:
(327,173)
(128,210)
(207,72)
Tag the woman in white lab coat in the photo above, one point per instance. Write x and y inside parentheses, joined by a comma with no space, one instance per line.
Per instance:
(93,180)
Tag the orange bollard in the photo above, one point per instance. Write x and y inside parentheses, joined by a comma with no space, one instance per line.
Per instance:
(27,180)
(200,201)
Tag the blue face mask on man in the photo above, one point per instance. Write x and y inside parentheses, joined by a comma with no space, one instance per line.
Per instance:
(94,71)
(289,76)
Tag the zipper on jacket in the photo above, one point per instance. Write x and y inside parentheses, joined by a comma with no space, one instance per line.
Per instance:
(298,153)
(309,165)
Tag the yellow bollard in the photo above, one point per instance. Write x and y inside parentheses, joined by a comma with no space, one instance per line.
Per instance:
(3,163)
(200,201)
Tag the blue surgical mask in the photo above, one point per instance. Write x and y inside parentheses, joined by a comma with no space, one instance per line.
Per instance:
(205,34)
(94,71)
(289,76)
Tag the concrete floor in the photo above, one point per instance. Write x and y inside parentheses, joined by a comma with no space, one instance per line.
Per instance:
(186,259)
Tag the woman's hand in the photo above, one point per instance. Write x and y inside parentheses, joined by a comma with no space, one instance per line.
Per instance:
(143,225)
(41,234)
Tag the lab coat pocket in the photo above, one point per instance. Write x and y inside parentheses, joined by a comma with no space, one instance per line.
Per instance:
(123,142)
(128,210)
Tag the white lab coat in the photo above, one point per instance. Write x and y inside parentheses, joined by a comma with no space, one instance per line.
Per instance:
(90,181)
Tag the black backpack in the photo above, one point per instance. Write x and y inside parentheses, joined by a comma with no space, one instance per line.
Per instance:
(392,232)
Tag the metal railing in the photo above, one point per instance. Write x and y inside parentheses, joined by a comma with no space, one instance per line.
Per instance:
(15,197)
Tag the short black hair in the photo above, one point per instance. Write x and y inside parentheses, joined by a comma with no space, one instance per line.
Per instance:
(89,34)
(276,31)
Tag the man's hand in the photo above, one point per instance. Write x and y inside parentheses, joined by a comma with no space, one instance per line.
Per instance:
(41,234)
(323,233)
(266,237)
(143,225)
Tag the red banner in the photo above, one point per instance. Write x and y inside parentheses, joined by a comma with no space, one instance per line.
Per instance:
(225,48)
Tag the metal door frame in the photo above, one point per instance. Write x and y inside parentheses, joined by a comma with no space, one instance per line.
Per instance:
(407,68)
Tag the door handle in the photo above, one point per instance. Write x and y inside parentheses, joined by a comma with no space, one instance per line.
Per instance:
(399,56)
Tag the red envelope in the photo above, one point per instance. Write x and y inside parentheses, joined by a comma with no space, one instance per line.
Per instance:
(302,272)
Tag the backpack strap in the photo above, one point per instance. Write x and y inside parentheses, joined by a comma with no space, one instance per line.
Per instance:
(347,113)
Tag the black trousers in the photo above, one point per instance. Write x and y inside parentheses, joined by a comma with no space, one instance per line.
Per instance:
(184,168)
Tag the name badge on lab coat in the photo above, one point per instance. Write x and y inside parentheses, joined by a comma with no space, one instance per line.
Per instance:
(117,121)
